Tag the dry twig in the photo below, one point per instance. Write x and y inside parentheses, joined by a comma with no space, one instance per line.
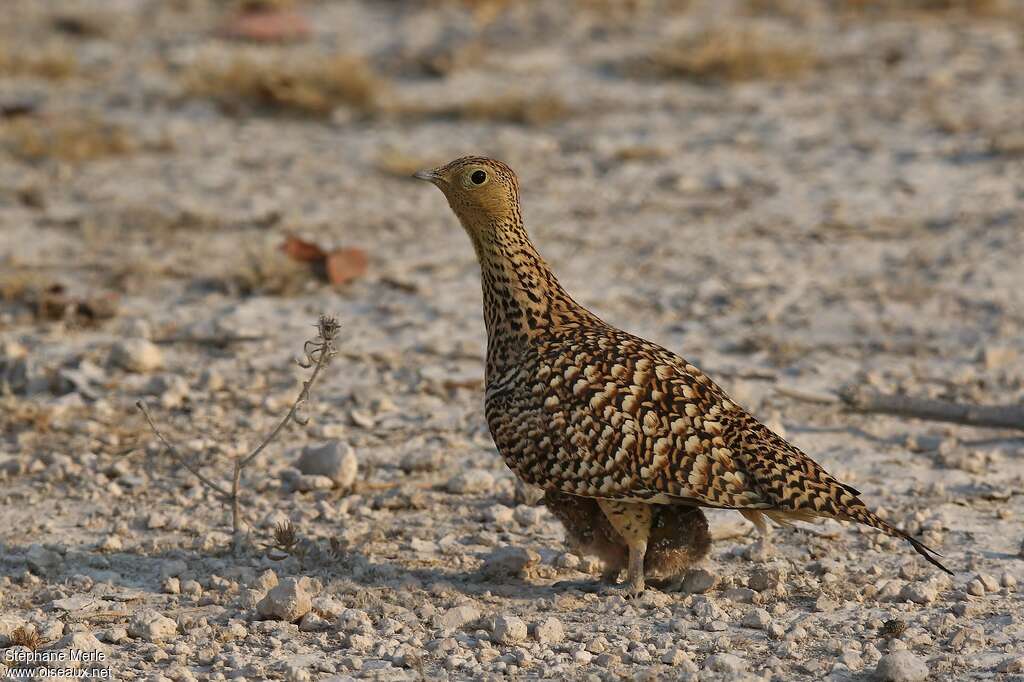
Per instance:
(996,416)
(317,354)
(860,399)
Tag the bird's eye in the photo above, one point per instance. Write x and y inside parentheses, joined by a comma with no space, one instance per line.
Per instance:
(478,177)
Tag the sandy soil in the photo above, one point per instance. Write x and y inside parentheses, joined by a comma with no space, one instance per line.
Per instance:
(793,194)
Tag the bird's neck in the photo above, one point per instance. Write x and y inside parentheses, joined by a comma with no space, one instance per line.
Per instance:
(522,297)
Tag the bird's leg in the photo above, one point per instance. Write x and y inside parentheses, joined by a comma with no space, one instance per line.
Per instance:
(632,520)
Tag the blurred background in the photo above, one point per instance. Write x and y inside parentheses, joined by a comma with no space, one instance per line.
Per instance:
(790,185)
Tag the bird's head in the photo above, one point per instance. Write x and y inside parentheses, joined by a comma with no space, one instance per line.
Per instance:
(484,193)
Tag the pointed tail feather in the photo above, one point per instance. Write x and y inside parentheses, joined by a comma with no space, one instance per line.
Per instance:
(869,518)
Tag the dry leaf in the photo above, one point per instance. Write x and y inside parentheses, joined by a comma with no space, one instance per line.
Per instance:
(301,250)
(268,26)
(345,265)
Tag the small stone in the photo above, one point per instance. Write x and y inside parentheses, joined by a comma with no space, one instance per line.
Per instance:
(80,641)
(41,559)
(171,389)
(173,568)
(740,595)
(567,560)
(499,515)
(679,659)
(697,581)
(111,543)
(137,355)
(976,588)
(152,626)
(289,601)
(528,516)
(549,631)
(901,666)
(509,629)
(307,483)
(1008,580)
(920,593)
(851,659)
(171,586)
(456,617)
(471,482)
(333,459)
(823,603)
(266,580)
(192,588)
(311,622)
(510,562)
(759,619)
(989,582)
(762,579)
(725,663)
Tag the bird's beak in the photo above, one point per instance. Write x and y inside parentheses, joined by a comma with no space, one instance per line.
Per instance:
(428,175)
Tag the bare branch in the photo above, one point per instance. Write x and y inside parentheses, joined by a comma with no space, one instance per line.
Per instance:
(180,458)
(996,416)
(318,354)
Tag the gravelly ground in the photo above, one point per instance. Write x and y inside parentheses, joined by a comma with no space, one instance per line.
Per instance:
(846,210)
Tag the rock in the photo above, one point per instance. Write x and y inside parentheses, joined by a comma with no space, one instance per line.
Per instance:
(725,663)
(920,593)
(456,617)
(80,641)
(289,601)
(265,580)
(191,588)
(152,626)
(762,579)
(823,603)
(308,483)
(759,619)
(171,586)
(528,516)
(697,581)
(509,629)
(740,595)
(568,560)
(333,459)
(471,482)
(679,659)
(137,355)
(989,582)
(976,588)
(510,562)
(170,388)
(43,560)
(549,631)
(1008,580)
(901,666)
(311,622)
(173,568)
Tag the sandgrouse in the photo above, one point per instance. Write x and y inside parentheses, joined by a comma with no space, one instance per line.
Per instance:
(578,407)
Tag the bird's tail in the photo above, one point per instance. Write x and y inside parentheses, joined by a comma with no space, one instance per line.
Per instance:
(862,514)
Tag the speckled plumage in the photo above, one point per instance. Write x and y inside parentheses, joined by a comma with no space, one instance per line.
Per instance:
(577,406)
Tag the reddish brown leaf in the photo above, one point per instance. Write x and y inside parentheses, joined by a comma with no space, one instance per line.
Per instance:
(301,250)
(345,265)
(268,26)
